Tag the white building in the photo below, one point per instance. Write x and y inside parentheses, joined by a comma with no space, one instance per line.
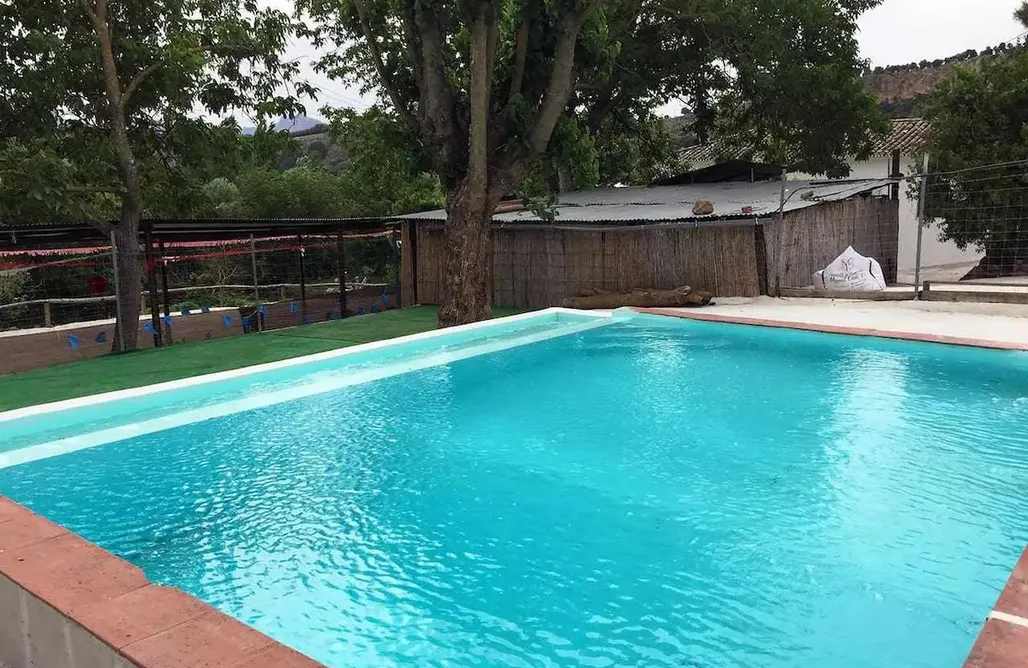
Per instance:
(891,155)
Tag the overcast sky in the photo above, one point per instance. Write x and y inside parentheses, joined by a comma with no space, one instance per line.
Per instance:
(895,33)
(904,31)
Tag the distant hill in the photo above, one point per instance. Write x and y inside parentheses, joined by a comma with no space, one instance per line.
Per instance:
(293,125)
(899,88)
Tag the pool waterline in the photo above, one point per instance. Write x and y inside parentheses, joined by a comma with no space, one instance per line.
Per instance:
(45,430)
(806,338)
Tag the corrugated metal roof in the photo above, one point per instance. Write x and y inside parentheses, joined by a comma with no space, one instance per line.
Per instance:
(666,204)
(907,135)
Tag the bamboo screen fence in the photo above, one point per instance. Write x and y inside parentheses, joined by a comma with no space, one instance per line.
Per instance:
(535,266)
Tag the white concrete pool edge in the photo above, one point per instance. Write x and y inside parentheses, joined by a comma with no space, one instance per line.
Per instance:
(111,435)
(94,399)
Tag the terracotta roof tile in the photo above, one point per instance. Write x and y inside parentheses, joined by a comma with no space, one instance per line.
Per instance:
(908,135)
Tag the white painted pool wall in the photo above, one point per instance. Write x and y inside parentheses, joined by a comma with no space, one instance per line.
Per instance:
(35,635)
(96,399)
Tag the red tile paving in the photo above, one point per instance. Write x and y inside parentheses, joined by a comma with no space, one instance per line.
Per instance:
(150,625)
(276,655)
(26,529)
(836,329)
(1000,645)
(1014,599)
(139,614)
(1003,641)
(211,640)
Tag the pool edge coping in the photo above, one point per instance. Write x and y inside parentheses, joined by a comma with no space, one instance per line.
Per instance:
(142,623)
(89,588)
(920,337)
(1002,641)
(189,381)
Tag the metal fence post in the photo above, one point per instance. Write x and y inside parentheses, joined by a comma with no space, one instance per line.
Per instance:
(151,283)
(303,278)
(778,236)
(920,227)
(341,257)
(120,322)
(394,244)
(165,295)
(253,266)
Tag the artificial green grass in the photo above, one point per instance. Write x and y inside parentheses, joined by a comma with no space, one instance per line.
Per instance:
(156,365)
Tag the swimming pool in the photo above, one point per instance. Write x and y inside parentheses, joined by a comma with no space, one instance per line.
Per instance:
(576,491)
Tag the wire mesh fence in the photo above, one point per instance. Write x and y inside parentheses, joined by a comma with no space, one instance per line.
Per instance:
(976,225)
(59,305)
(47,288)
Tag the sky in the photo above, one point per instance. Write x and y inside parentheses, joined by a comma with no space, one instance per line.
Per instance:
(906,31)
(894,33)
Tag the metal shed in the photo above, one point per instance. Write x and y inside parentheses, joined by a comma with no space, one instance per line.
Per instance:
(760,237)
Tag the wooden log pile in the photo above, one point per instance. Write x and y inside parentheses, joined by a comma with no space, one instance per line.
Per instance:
(649,298)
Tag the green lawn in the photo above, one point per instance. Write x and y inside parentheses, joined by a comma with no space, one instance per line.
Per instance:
(145,367)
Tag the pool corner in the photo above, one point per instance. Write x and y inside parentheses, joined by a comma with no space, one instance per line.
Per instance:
(1003,640)
(65,602)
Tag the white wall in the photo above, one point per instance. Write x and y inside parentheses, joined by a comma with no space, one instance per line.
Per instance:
(935,254)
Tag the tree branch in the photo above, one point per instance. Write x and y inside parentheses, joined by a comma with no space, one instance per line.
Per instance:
(138,79)
(111,190)
(555,100)
(93,18)
(104,226)
(558,90)
(520,57)
(606,103)
(478,149)
(379,63)
(436,111)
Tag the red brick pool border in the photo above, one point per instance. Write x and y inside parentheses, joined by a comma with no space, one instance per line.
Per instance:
(65,601)
(837,329)
(1003,641)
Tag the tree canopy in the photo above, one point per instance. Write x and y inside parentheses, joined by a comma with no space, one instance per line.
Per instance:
(101,104)
(488,88)
(978,182)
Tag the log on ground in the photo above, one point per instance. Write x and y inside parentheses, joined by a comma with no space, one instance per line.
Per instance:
(599,299)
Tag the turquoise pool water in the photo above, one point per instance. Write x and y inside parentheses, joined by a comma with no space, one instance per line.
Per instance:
(644,493)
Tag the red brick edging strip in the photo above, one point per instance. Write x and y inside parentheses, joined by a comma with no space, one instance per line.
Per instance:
(1003,641)
(837,329)
(50,576)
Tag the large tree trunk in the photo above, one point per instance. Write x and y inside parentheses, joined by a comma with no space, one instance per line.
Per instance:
(466,289)
(130,277)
